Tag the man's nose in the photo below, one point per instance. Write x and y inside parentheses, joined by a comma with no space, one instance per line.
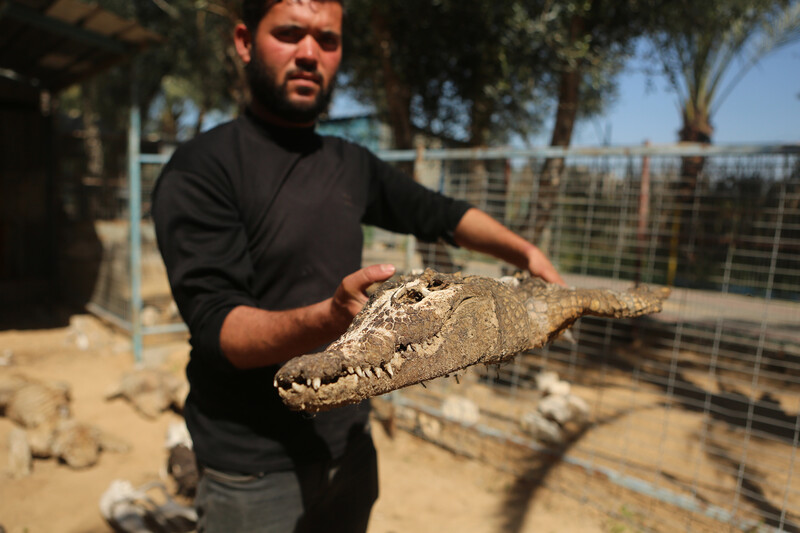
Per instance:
(307,52)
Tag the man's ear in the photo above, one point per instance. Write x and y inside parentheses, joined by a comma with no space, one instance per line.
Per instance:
(243,41)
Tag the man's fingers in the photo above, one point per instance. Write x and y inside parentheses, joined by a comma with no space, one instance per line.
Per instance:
(356,284)
(539,265)
(360,280)
(551,275)
(351,295)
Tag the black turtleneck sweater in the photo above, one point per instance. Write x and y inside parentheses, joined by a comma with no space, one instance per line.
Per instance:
(251,214)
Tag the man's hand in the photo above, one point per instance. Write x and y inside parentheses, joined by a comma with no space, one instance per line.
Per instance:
(252,337)
(540,266)
(351,295)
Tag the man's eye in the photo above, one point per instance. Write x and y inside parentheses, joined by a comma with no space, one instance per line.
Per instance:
(328,43)
(289,35)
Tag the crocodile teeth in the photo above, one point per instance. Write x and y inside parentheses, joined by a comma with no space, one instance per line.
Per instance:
(378,372)
(389,369)
(316,383)
(351,370)
(308,382)
(297,387)
(368,372)
(359,372)
(275,383)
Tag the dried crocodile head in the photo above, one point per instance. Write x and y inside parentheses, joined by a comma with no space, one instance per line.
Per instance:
(429,326)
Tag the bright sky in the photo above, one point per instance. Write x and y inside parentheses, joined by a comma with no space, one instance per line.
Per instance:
(763,108)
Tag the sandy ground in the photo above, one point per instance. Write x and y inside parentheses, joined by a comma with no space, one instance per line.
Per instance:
(424,488)
(670,447)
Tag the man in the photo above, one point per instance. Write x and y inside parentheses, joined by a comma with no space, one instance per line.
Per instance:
(259,223)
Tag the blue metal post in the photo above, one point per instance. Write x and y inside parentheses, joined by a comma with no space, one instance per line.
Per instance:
(135,213)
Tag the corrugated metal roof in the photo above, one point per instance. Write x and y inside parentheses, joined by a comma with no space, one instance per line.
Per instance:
(55,43)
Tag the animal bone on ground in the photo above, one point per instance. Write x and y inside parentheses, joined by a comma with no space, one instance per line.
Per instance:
(433,325)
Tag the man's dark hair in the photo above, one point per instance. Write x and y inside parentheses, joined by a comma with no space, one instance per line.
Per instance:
(254,10)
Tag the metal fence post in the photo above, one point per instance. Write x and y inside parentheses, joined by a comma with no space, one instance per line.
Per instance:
(135,214)
(644,215)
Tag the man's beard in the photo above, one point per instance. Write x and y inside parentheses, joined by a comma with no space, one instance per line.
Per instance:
(274,97)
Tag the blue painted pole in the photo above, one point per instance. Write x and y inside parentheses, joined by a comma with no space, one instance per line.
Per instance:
(135,211)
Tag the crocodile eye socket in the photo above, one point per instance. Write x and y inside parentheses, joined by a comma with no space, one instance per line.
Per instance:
(417,290)
(409,296)
(437,284)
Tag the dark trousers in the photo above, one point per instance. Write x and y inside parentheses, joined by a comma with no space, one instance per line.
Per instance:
(332,496)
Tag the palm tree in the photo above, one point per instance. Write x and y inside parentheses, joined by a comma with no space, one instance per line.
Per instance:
(705,49)
(708,47)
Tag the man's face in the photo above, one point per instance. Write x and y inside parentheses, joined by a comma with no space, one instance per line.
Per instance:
(294,56)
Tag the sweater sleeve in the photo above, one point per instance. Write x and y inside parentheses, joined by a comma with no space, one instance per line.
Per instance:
(398,203)
(204,248)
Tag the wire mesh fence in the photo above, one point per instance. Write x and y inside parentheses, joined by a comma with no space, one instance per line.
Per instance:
(695,408)
(692,416)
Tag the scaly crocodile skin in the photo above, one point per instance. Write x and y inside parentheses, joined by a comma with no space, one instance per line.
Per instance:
(433,325)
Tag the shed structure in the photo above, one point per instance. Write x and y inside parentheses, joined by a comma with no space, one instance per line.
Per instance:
(45,46)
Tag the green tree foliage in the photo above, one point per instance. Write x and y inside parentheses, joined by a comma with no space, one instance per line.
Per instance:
(590,40)
(482,71)
(199,64)
(470,70)
(194,66)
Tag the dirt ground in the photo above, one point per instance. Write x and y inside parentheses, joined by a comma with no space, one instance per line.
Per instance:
(424,488)
(505,487)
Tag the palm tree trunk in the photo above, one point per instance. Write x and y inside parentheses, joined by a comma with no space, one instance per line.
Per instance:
(696,129)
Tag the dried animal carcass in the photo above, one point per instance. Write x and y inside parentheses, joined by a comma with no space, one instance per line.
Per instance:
(43,412)
(79,445)
(151,391)
(436,324)
(181,461)
(33,404)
